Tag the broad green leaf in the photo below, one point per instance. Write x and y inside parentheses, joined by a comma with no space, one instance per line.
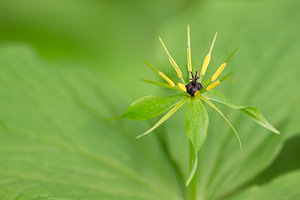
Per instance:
(196,129)
(284,187)
(56,141)
(165,117)
(150,106)
(196,122)
(249,110)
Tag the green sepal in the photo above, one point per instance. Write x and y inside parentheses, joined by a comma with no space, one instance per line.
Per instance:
(150,106)
(249,110)
(196,129)
(228,122)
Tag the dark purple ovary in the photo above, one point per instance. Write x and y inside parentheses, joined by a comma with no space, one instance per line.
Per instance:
(193,86)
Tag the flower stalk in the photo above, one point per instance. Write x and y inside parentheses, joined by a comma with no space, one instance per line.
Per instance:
(193,182)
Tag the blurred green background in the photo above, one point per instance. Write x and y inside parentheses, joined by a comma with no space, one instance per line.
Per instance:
(67,66)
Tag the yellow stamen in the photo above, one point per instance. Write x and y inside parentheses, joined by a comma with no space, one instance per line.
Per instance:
(172,61)
(221,68)
(189,56)
(171,83)
(205,64)
(214,84)
(218,72)
(189,59)
(181,87)
(207,58)
(197,94)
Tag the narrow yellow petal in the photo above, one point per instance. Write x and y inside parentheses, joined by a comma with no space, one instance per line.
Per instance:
(181,87)
(214,84)
(171,83)
(189,56)
(172,61)
(218,72)
(207,58)
(205,65)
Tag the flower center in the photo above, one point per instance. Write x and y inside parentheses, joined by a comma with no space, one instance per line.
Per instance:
(193,86)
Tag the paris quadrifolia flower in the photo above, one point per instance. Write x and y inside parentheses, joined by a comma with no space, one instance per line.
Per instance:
(194,92)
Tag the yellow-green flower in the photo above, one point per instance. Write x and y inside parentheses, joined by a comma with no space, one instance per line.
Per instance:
(193,93)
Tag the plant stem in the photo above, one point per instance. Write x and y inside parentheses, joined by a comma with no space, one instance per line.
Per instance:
(193,184)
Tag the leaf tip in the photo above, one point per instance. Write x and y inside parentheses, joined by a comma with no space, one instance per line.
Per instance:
(240,142)
(187,183)
(193,170)
(273,129)
(141,135)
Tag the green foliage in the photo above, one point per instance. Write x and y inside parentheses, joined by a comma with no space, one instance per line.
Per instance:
(150,106)
(56,141)
(196,122)
(283,187)
(165,117)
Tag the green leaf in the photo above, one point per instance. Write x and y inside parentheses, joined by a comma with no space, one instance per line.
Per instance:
(196,129)
(165,117)
(150,106)
(284,187)
(249,110)
(196,122)
(56,142)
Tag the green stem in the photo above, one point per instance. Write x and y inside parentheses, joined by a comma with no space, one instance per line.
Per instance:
(193,184)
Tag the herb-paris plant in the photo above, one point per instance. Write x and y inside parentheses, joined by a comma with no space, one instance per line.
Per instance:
(194,93)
